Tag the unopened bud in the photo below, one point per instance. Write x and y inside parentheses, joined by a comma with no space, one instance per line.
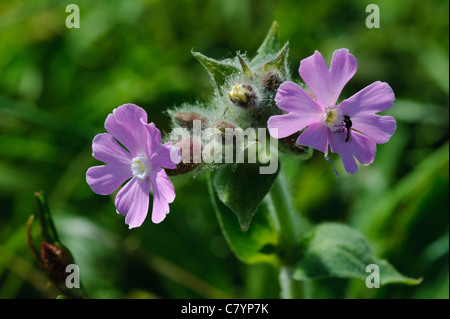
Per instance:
(186,119)
(290,143)
(191,154)
(242,95)
(55,260)
(223,125)
(271,81)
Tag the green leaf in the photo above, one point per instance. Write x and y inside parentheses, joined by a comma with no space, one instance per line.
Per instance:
(271,43)
(245,68)
(48,229)
(279,63)
(335,250)
(242,188)
(255,245)
(219,70)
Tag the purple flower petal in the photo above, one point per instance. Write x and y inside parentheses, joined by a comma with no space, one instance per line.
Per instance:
(159,154)
(164,184)
(378,128)
(292,98)
(316,136)
(106,149)
(349,162)
(106,179)
(288,124)
(124,197)
(163,194)
(374,98)
(343,67)
(154,138)
(360,146)
(338,145)
(133,201)
(139,206)
(125,125)
(363,148)
(162,157)
(314,71)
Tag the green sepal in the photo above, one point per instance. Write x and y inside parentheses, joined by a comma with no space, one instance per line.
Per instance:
(270,45)
(279,64)
(246,71)
(220,71)
(48,230)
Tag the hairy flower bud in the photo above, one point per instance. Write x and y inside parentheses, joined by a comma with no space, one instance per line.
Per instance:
(290,143)
(191,154)
(271,81)
(223,125)
(186,119)
(242,95)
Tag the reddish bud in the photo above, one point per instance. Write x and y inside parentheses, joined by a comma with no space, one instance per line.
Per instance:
(223,125)
(191,155)
(55,260)
(291,143)
(271,81)
(186,119)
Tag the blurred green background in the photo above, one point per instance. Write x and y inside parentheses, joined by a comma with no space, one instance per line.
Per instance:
(57,86)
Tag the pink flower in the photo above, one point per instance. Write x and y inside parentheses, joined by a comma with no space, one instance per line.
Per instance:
(351,128)
(143,162)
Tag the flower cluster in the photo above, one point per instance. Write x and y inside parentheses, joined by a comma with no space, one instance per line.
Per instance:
(248,93)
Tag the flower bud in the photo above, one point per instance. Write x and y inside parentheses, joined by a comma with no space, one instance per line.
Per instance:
(242,95)
(191,154)
(186,119)
(223,125)
(55,261)
(290,143)
(271,81)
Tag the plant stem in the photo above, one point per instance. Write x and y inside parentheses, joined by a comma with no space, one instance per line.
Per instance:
(291,288)
(291,226)
(287,220)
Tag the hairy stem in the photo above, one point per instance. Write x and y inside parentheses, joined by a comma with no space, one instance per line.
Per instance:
(291,226)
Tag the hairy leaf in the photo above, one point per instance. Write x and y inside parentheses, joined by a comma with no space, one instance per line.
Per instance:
(336,250)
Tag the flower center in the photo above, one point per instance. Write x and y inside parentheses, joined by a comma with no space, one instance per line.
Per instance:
(140,167)
(333,118)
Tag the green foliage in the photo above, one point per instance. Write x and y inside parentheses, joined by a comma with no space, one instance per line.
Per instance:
(278,64)
(270,45)
(220,71)
(57,86)
(50,254)
(242,188)
(258,242)
(335,250)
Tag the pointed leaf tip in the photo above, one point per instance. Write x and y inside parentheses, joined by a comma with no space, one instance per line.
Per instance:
(48,229)
(279,63)
(242,188)
(271,43)
(245,68)
(219,70)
